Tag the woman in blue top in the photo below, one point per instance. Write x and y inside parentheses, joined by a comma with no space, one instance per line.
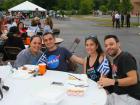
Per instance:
(48,25)
(95,59)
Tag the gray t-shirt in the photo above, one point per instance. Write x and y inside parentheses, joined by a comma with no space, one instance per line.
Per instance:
(26,57)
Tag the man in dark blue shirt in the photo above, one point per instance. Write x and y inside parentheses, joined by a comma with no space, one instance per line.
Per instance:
(56,57)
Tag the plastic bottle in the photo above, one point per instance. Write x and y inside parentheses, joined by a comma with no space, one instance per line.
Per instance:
(10,67)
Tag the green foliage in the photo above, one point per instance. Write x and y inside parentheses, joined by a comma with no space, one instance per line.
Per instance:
(6,4)
(47,4)
(62,4)
(103,8)
(126,6)
(113,5)
(82,6)
(86,6)
(98,3)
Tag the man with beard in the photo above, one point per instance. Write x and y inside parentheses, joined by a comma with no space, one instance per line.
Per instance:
(126,89)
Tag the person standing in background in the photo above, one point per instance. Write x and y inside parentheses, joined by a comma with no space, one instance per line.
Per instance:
(128,16)
(122,19)
(113,19)
(117,19)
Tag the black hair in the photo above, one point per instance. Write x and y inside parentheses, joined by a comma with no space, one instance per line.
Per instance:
(47,33)
(14,30)
(19,24)
(35,37)
(111,36)
(95,40)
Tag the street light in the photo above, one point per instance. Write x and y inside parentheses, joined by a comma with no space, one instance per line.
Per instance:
(138,18)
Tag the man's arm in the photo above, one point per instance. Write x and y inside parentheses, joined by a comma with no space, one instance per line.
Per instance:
(131,79)
(77,59)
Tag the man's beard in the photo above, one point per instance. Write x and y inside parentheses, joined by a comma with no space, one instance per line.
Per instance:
(114,53)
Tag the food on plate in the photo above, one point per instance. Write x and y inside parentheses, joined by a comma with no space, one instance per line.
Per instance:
(24,68)
(71,78)
(76,91)
(31,71)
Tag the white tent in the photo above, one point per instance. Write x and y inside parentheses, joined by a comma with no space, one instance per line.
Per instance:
(26,6)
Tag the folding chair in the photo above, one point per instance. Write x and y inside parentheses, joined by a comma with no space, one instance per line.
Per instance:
(74,45)
(1,51)
(11,52)
(72,65)
(138,68)
(56,32)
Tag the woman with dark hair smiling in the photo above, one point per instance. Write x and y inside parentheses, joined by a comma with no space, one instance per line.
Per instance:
(96,58)
(21,28)
(30,55)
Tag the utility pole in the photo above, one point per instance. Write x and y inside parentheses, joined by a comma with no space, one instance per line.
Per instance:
(138,20)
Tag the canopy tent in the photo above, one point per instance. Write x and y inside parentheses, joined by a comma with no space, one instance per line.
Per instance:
(26,6)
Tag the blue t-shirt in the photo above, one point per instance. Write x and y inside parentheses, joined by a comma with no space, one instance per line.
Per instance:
(47,29)
(57,59)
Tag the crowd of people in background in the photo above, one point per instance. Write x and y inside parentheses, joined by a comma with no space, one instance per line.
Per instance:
(14,31)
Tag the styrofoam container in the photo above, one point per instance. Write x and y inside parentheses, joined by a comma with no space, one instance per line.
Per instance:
(51,95)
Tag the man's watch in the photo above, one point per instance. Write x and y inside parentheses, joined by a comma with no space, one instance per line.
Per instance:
(116,82)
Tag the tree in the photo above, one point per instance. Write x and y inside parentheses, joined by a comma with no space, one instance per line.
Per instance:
(113,5)
(98,3)
(126,6)
(61,4)
(47,4)
(6,4)
(86,6)
(103,8)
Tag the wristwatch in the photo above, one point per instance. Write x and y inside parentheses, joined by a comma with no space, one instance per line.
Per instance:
(116,82)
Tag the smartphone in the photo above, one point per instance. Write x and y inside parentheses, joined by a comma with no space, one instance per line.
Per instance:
(57,83)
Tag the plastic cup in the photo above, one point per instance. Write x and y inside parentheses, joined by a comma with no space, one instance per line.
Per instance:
(27,40)
(42,68)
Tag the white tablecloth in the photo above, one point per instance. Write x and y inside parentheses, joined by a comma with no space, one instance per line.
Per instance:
(21,90)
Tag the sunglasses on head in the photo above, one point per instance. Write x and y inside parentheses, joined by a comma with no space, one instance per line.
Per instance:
(91,37)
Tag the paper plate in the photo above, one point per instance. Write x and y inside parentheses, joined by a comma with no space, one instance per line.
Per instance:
(21,74)
(28,67)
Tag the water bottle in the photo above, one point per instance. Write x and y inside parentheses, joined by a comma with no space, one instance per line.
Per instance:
(10,67)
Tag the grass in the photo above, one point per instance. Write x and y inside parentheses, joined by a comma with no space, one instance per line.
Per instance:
(101,21)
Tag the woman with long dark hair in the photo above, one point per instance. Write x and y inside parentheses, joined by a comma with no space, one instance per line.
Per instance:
(94,59)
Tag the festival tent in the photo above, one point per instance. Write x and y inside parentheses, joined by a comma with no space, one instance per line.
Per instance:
(27,6)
